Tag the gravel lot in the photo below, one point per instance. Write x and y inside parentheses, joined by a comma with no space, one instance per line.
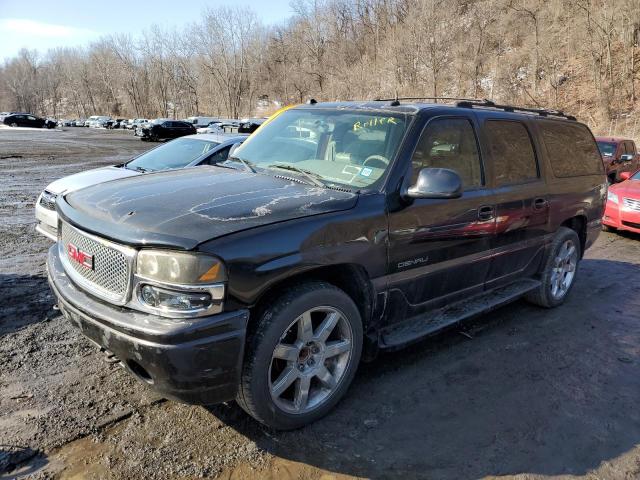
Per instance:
(521,392)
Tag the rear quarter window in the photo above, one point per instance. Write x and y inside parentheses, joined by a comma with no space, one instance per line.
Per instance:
(571,149)
(514,159)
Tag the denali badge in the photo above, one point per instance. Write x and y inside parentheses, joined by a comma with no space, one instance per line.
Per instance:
(79,256)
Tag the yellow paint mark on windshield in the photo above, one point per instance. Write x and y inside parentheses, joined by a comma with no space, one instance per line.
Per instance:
(374,122)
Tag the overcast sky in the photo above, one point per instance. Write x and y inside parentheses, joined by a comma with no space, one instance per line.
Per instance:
(57,23)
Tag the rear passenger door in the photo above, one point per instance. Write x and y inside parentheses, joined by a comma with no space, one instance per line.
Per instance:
(522,208)
(439,248)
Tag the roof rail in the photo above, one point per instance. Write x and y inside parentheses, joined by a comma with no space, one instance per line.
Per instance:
(397,99)
(510,108)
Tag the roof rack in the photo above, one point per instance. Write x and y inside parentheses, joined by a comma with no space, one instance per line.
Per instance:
(510,108)
(482,103)
(396,101)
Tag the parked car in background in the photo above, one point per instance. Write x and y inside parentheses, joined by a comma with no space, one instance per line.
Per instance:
(200,122)
(100,121)
(128,123)
(250,125)
(180,153)
(136,123)
(114,123)
(623,204)
(221,126)
(618,155)
(164,129)
(90,120)
(386,223)
(78,123)
(28,120)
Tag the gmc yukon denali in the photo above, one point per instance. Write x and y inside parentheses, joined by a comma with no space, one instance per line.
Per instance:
(334,232)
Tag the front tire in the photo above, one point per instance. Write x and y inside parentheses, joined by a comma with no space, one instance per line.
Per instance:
(302,356)
(560,269)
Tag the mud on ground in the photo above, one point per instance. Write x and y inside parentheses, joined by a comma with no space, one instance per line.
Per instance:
(533,393)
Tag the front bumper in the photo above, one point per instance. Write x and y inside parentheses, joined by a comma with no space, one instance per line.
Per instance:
(617,216)
(194,361)
(47,221)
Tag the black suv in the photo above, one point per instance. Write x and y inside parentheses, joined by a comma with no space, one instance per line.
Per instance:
(164,129)
(335,231)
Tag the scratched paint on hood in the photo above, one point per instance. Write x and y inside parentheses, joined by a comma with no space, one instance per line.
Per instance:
(198,204)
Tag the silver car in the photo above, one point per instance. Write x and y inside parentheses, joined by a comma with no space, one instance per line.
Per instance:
(182,152)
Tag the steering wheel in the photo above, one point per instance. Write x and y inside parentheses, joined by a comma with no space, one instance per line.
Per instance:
(376,159)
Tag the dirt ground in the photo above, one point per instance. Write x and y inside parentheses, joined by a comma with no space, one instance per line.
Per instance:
(522,392)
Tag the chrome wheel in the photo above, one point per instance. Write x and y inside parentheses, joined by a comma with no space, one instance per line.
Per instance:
(310,360)
(564,269)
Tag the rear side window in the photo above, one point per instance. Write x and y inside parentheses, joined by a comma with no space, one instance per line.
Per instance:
(449,143)
(514,160)
(571,149)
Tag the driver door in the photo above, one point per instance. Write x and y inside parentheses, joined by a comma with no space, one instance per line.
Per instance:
(439,248)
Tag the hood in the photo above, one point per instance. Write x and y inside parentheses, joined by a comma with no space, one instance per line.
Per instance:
(628,189)
(183,208)
(80,180)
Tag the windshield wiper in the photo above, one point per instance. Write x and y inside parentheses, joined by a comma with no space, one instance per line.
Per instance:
(138,169)
(313,177)
(246,163)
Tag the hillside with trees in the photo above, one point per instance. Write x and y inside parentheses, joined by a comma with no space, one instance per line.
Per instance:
(580,56)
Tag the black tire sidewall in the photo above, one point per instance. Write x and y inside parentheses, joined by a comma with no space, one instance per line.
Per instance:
(273,322)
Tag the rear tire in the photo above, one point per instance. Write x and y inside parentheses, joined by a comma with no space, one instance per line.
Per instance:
(302,356)
(560,269)
(14,125)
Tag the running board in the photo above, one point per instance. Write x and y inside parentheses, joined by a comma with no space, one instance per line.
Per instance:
(415,328)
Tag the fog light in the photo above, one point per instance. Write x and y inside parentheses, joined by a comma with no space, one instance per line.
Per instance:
(174,300)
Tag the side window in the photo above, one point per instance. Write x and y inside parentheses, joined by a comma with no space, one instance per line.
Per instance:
(514,160)
(220,156)
(449,143)
(571,149)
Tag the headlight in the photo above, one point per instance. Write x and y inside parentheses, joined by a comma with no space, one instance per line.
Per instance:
(181,268)
(179,284)
(612,197)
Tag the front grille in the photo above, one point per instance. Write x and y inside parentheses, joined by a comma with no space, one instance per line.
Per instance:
(631,224)
(110,275)
(48,200)
(632,204)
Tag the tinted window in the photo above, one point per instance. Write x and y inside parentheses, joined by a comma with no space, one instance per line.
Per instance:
(571,149)
(175,154)
(449,143)
(514,160)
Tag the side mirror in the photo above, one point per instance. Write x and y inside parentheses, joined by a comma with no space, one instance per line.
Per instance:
(627,157)
(436,183)
(625,176)
(233,149)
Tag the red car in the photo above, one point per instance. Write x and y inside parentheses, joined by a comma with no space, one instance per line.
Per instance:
(618,155)
(623,204)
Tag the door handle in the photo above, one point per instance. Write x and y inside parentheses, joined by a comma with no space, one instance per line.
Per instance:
(486,212)
(540,204)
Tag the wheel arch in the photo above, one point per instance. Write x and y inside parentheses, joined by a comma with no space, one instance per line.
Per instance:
(578,224)
(351,278)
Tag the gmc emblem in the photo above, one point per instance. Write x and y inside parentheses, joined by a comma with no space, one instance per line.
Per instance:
(79,256)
